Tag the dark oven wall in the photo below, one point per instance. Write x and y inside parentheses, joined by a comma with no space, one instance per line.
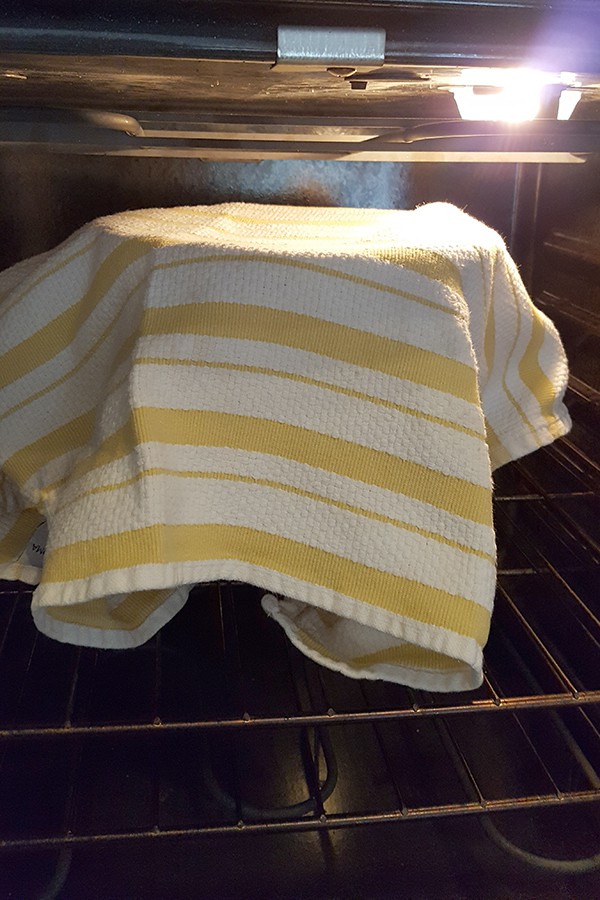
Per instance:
(567,271)
(48,196)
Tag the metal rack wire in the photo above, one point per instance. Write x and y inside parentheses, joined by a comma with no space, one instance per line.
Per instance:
(220,726)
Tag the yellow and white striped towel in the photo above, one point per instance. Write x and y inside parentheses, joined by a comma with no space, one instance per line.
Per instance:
(307,400)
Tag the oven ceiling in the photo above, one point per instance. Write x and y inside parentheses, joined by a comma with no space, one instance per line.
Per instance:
(192,71)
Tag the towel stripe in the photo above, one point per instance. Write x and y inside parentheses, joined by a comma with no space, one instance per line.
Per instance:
(532,374)
(67,438)
(314,382)
(23,464)
(431,265)
(287,488)
(287,262)
(128,614)
(188,543)
(297,474)
(58,334)
(10,304)
(202,428)
(381,244)
(213,429)
(408,656)
(352,345)
(489,341)
(471,501)
(499,455)
(426,262)
(122,353)
(515,403)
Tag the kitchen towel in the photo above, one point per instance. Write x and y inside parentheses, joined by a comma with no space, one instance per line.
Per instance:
(311,400)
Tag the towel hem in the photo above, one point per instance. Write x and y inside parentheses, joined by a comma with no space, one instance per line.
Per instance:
(428,636)
(425,679)
(105,639)
(517,444)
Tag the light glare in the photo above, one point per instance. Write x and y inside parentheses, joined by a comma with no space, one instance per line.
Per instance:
(567,103)
(511,95)
(508,104)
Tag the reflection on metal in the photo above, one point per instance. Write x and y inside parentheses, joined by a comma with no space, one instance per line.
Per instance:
(342,51)
(254,138)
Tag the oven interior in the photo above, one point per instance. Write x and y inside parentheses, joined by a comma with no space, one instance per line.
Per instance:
(207,764)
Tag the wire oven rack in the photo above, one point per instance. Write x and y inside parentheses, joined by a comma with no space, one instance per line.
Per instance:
(219,726)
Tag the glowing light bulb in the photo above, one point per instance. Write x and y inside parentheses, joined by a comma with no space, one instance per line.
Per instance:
(508,104)
(511,95)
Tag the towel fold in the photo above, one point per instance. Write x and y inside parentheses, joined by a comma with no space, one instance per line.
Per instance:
(307,400)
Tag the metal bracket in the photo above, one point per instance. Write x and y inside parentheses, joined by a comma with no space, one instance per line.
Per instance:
(341,51)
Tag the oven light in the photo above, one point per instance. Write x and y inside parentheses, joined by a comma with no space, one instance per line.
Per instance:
(508,104)
(511,95)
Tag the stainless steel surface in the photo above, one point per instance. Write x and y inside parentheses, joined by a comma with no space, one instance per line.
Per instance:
(235,138)
(343,50)
(444,32)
